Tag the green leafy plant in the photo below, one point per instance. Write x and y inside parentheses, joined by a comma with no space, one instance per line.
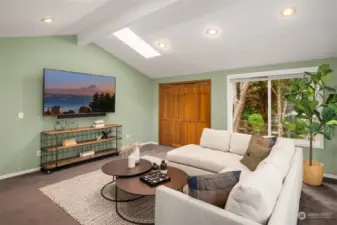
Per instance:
(256,122)
(247,111)
(296,127)
(305,94)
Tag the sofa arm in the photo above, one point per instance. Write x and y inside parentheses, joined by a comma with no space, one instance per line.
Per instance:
(174,207)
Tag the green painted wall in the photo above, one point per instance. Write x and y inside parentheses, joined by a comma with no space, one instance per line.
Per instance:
(21,70)
(219,100)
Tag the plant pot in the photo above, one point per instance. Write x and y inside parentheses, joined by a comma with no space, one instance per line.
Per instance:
(313,175)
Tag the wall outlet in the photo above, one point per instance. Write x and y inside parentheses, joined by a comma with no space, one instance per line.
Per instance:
(38,153)
(21,115)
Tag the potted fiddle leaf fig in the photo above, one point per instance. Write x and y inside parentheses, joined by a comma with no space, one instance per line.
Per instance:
(306,96)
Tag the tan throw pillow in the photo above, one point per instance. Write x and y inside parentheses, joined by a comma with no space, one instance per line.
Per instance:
(258,149)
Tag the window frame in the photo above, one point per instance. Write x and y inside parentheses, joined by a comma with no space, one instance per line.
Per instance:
(318,143)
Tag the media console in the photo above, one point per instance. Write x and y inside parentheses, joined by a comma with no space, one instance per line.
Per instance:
(89,143)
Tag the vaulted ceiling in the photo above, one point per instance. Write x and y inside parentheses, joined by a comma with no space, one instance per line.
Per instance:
(251,32)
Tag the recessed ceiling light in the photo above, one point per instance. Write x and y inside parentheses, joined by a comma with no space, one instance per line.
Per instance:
(288,12)
(161,44)
(47,20)
(212,32)
(136,43)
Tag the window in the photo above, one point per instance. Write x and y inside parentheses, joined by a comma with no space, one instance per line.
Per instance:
(256,104)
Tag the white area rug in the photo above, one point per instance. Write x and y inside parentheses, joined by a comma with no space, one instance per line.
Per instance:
(81,198)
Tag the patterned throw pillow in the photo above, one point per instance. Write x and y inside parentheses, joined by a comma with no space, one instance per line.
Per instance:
(213,189)
(258,149)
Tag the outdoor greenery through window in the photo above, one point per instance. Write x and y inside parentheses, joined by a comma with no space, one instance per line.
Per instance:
(259,107)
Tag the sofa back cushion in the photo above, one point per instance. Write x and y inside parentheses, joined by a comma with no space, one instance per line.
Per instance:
(281,155)
(255,196)
(215,139)
(239,143)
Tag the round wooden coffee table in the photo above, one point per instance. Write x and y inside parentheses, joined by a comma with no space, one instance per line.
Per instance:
(118,169)
(135,186)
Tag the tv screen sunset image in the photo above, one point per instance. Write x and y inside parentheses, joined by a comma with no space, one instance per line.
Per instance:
(73,93)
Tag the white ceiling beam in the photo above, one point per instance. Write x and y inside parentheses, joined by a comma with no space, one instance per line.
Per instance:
(140,10)
(182,12)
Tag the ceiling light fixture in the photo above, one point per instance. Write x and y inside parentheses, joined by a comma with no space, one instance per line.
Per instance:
(161,44)
(287,12)
(136,43)
(212,32)
(47,20)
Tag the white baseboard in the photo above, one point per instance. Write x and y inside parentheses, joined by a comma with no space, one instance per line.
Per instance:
(15,174)
(148,143)
(330,176)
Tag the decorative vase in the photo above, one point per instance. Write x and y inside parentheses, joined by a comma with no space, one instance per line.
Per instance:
(313,175)
(131,161)
(155,166)
(163,167)
(136,154)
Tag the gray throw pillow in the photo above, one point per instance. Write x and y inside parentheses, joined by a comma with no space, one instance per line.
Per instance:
(213,189)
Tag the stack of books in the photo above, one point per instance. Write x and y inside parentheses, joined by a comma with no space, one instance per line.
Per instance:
(98,124)
(87,153)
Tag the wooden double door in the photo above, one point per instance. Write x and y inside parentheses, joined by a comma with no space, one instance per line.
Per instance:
(184,111)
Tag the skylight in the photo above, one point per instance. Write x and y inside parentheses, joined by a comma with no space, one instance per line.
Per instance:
(136,43)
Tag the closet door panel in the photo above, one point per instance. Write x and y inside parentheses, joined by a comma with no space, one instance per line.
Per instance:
(177,133)
(190,103)
(165,128)
(178,113)
(203,108)
(190,116)
(189,133)
(165,132)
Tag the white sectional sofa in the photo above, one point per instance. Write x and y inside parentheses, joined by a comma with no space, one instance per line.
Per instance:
(269,195)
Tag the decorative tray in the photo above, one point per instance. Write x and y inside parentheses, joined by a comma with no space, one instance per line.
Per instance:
(155,178)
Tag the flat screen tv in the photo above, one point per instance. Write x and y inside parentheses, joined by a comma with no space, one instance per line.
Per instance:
(77,94)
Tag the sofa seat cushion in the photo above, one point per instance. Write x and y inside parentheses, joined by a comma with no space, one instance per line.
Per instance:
(215,139)
(189,170)
(204,158)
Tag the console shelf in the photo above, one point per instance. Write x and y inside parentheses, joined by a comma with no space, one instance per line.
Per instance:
(68,161)
(54,154)
(81,143)
(80,129)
